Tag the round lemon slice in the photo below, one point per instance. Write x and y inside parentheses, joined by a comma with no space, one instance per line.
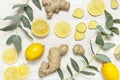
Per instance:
(12,73)
(81,27)
(40,28)
(10,56)
(62,29)
(24,70)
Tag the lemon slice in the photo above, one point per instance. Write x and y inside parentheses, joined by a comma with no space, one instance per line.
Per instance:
(40,28)
(62,29)
(93,24)
(79,36)
(10,56)
(78,13)
(24,70)
(81,27)
(12,73)
(96,7)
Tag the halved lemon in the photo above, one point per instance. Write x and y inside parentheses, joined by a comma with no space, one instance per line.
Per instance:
(10,56)
(40,28)
(24,70)
(12,73)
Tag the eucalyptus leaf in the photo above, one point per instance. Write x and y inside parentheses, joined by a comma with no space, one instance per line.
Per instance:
(87,73)
(115,30)
(37,4)
(14,17)
(92,47)
(69,70)
(102,58)
(94,68)
(99,40)
(86,60)
(16,40)
(99,27)
(116,21)
(26,22)
(19,5)
(108,15)
(108,46)
(25,32)
(9,28)
(60,74)
(109,23)
(29,12)
(75,65)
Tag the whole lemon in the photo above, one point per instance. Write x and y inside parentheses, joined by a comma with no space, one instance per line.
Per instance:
(110,71)
(34,51)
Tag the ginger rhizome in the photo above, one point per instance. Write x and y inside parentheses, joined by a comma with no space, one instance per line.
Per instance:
(54,6)
(54,59)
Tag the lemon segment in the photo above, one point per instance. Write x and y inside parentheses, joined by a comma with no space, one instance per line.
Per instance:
(10,56)
(12,73)
(62,29)
(40,28)
(79,36)
(96,7)
(93,24)
(81,27)
(34,51)
(24,71)
(78,13)
(114,4)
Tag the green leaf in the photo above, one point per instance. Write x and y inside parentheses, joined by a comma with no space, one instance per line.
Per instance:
(91,47)
(101,30)
(109,23)
(102,58)
(116,21)
(99,40)
(16,40)
(26,22)
(87,73)
(25,32)
(60,74)
(75,65)
(115,30)
(69,70)
(9,28)
(19,5)
(86,60)
(14,17)
(108,15)
(29,12)
(108,46)
(94,68)
(37,4)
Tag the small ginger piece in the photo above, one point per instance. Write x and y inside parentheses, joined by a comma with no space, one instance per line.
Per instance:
(81,27)
(93,24)
(79,36)
(117,52)
(54,6)
(114,4)
(63,49)
(78,49)
(78,13)
(54,59)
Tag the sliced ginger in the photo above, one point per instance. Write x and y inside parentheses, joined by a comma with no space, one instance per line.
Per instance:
(93,24)
(81,27)
(79,36)
(96,7)
(78,13)
(62,29)
(114,4)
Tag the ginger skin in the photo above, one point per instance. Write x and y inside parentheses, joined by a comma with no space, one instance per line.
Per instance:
(54,6)
(54,59)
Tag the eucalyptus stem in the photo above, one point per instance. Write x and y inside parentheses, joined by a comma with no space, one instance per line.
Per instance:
(85,65)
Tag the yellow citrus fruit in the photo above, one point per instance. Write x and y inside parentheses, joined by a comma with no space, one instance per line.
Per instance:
(81,27)
(40,28)
(62,29)
(93,24)
(78,13)
(34,51)
(79,36)
(12,73)
(10,56)
(24,70)
(110,71)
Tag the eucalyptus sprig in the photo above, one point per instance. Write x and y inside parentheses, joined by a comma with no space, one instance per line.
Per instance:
(18,19)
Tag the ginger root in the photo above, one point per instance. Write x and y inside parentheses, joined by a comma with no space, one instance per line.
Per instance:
(54,6)
(54,59)
(78,49)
